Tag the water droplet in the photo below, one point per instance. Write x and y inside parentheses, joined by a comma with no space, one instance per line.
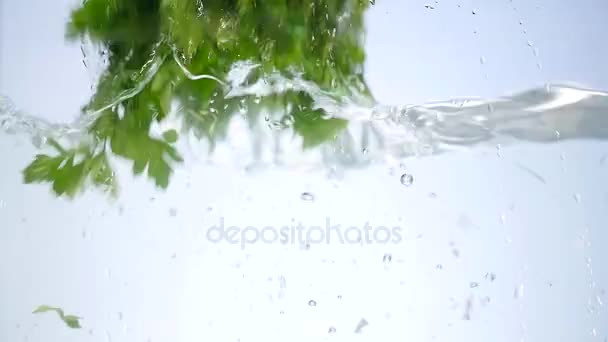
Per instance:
(490,276)
(372,2)
(307,196)
(172,212)
(439,266)
(312,303)
(339,296)
(473,285)
(407,179)
(594,332)
(530,44)
(473,11)
(503,219)
(120,316)
(482,60)
(362,324)
(387,258)
(577,198)
(535,52)
(331,330)
(468,309)
(519,291)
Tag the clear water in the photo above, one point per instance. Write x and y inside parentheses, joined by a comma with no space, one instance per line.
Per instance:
(473,260)
(499,205)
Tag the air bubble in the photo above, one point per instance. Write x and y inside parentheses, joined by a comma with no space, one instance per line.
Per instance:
(38,140)
(307,196)
(407,179)
(312,303)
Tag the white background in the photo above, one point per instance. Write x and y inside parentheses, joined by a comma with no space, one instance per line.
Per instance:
(135,272)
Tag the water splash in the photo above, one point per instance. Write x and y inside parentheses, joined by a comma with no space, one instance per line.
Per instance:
(544,114)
